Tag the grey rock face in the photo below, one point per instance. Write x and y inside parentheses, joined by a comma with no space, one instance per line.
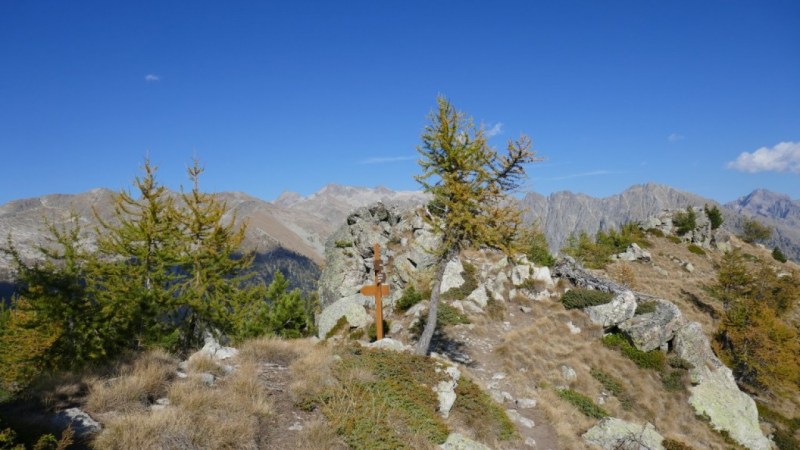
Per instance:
(612,434)
(649,331)
(452,275)
(620,309)
(634,253)
(82,423)
(715,392)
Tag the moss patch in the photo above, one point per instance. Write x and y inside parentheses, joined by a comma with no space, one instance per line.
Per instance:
(583,403)
(583,298)
(482,414)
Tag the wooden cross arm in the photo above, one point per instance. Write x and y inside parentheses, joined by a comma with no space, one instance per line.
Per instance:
(373,289)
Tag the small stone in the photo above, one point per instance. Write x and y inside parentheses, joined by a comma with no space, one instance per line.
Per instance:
(568,373)
(530,442)
(526,403)
(525,309)
(297,426)
(573,329)
(499,376)
(207,378)
(515,416)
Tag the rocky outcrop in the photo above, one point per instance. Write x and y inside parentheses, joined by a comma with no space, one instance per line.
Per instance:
(633,253)
(621,308)
(652,330)
(714,393)
(612,434)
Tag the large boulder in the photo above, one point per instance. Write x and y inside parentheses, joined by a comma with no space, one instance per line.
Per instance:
(651,330)
(714,392)
(621,308)
(612,434)
(633,253)
(350,308)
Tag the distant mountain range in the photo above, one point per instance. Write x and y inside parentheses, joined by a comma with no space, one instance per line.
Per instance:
(289,233)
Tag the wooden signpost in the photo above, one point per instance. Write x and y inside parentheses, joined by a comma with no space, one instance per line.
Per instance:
(378,290)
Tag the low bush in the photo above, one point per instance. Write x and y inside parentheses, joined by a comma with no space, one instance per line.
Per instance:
(673,380)
(372,330)
(343,244)
(645,308)
(655,232)
(654,360)
(470,284)
(674,239)
(583,403)
(696,249)
(614,386)
(446,316)
(677,362)
(583,298)
(685,221)
(481,414)
(410,298)
(778,255)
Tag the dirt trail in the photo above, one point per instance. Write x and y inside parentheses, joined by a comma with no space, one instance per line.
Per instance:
(477,354)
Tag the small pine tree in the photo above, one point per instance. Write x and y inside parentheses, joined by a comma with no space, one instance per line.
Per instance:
(714,216)
(468,181)
(534,243)
(685,221)
(778,255)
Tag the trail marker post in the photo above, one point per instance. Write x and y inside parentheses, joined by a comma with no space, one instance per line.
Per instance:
(378,290)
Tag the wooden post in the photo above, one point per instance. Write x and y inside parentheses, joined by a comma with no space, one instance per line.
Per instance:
(378,290)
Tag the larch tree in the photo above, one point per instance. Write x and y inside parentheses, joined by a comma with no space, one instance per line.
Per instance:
(469,182)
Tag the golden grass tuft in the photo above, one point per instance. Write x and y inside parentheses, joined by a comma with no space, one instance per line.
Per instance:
(137,384)
(312,374)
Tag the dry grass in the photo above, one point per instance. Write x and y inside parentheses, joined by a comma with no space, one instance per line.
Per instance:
(318,435)
(312,374)
(137,384)
(542,358)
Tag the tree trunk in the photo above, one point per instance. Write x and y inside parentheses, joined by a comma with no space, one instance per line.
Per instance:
(424,342)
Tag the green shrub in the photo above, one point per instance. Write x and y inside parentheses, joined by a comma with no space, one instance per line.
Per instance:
(778,255)
(685,221)
(645,308)
(646,360)
(533,242)
(410,298)
(674,239)
(785,440)
(370,383)
(372,330)
(754,231)
(714,216)
(446,315)
(583,298)
(479,412)
(470,284)
(673,380)
(584,404)
(614,386)
(343,244)
(341,325)
(677,362)
(696,249)
(655,232)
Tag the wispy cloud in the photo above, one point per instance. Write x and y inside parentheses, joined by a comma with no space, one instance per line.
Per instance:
(387,159)
(494,130)
(593,173)
(152,78)
(783,157)
(675,137)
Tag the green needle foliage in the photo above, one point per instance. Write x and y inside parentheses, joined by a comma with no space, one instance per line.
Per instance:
(168,268)
(468,181)
(714,216)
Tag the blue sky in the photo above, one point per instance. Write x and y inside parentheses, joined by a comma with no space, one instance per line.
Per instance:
(274,96)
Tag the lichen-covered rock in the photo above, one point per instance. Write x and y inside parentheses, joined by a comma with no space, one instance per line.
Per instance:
(457,441)
(649,331)
(520,274)
(612,433)
(634,253)
(446,391)
(479,297)
(452,275)
(715,393)
(542,275)
(389,344)
(621,308)
(348,307)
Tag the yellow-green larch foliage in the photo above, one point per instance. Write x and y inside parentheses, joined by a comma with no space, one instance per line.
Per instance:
(469,182)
